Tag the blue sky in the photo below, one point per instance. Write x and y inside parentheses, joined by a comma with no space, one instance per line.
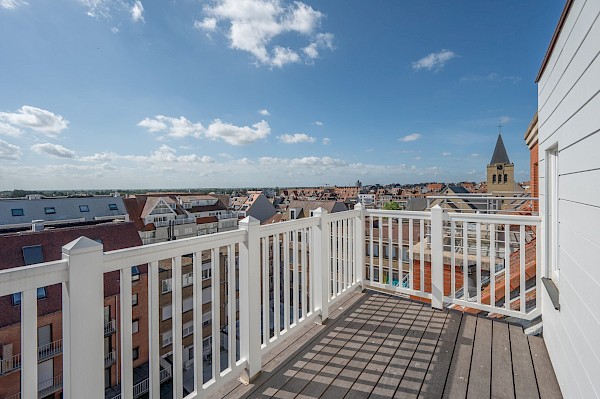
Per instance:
(222,93)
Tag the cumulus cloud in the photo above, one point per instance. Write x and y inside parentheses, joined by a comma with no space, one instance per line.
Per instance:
(434,61)
(53,150)
(326,140)
(137,11)
(410,137)
(173,127)
(305,161)
(446,154)
(296,138)
(12,4)
(253,25)
(114,29)
(9,151)
(264,112)
(32,118)
(318,123)
(237,135)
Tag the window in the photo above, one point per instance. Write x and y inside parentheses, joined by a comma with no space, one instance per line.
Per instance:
(188,329)
(206,274)
(494,179)
(551,211)
(166,313)
(135,326)
(134,299)
(505,178)
(166,286)
(17,212)
(135,273)
(188,304)
(167,338)
(84,208)
(135,353)
(113,207)
(16,297)
(33,254)
(50,210)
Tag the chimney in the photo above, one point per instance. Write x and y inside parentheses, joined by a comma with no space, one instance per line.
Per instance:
(34,196)
(37,225)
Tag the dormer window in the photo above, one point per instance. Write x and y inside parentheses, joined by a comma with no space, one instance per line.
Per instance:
(17,212)
(84,208)
(113,207)
(50,210)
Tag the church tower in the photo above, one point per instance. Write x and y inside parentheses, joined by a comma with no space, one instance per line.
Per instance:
(500,172)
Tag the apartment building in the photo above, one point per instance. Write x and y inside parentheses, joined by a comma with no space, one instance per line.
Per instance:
(19,213)
(25,248)
(167,217)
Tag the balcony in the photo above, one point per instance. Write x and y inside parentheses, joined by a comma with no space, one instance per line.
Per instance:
(301,302)
(44,388)
(110,326)
(110,358)
(43,352)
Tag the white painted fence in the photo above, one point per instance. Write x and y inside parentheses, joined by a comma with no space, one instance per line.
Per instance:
(288,274)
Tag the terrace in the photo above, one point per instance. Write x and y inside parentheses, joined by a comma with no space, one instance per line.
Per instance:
(311,318)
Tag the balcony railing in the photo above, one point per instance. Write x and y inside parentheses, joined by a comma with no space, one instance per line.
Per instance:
(290,274)
(44,352)
(110,358)
(110,326)
(44,388)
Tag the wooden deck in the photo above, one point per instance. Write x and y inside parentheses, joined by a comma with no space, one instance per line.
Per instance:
(381,346)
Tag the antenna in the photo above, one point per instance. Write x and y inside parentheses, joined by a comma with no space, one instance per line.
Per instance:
(499,127)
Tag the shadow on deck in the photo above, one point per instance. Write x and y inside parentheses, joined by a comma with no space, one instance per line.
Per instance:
(381,346)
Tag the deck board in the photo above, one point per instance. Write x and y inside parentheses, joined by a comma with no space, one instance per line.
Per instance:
(380,346)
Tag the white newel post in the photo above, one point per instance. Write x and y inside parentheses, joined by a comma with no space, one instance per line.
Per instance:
(359,244)
(83,320)
(437,257)
(250,294)
(321,263)
(29,351)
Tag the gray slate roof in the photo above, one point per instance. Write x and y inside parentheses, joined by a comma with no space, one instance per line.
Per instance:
(64,209)
(500,155)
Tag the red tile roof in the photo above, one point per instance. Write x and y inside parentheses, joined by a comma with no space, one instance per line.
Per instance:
(113,236)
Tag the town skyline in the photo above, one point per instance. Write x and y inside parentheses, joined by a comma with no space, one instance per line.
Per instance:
(264,92)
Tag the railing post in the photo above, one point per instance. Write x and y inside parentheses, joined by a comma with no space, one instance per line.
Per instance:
(359,244)
(437,257)
(249,297)
(321,267)
(83,316)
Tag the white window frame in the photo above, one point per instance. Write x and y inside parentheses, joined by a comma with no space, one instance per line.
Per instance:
(551,213)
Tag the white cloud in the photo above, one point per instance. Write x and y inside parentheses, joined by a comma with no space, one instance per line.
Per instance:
(503,120)
(137,11)
(9,130)
(237,135)
(410,137)
(9,151)
(434,61)
(296,138)
(474,154)
(492,77)
(32,118)
(54,150)
(97,8)
(446,154)
(418,158)
(264,112)
(318,123)
(12,4)
(225,155)
(253,24)
(173,127)
(207,24)
(305,161)
(114,29)
(326,140)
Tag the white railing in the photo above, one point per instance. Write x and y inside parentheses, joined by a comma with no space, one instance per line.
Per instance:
(482,203)
(176,222)
(110,326)
(50,349)
(143,386)
(10,364)
(457,259)
(110,358)
(44,388)
(289,274)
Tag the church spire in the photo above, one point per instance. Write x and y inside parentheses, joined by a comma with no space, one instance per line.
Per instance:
(500,155)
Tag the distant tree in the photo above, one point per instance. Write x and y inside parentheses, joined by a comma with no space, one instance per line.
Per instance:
(391,206)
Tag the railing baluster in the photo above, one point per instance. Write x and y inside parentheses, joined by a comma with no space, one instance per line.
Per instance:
(215,265)
(478,254)
(126,331)
(452,260)
(507,266)
(465,261)
(276,286)
(305,292)
(400,260)
(29,356)
(411,257)
(231,300)
(266,289)
(371,249)
(359,245)
(334,255)
(422,253)
(380,252)
(390,246)
(522,267)
(295,275)
(198,339)
(492,256)
(177,334)
(286,281)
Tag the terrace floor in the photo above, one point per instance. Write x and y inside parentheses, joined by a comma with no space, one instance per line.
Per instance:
(381,346)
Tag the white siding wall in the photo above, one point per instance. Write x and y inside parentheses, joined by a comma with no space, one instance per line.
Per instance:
(569,116)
